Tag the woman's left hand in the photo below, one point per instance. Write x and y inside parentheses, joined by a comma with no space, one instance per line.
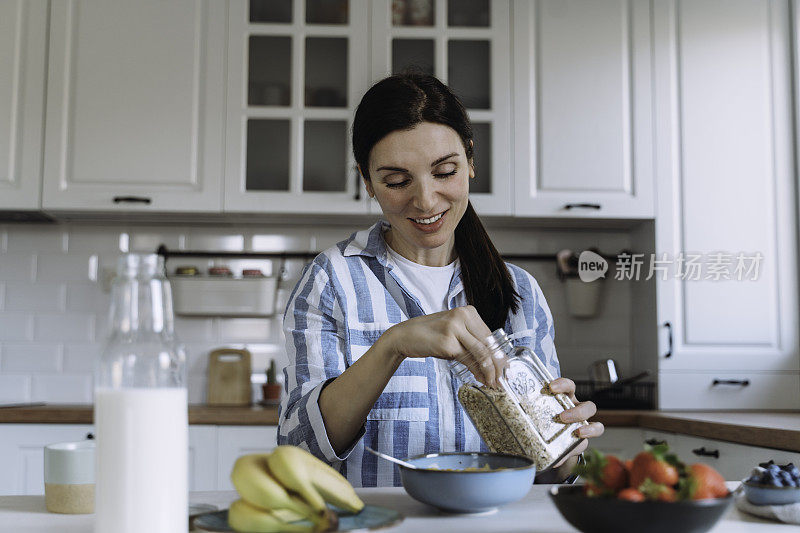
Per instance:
(581,411)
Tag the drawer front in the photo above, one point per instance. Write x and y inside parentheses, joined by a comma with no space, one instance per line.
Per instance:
(622,442)
(728,390)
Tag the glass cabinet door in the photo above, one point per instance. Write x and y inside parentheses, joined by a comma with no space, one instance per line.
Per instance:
(301,68)
(466,44)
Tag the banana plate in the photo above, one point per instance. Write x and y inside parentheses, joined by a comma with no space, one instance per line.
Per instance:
(370,518)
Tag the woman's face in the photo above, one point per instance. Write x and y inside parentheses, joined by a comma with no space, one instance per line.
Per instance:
(420,178)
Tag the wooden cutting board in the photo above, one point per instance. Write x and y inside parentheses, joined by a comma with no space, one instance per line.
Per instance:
(229,377)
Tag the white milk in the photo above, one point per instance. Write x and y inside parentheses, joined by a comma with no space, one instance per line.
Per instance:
(142,460)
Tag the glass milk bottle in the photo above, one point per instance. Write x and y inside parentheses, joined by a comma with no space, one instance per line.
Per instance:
(140,411)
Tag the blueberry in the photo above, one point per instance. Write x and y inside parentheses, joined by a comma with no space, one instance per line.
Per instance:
(766,465)
(773,468)
(793,470)
(773,479)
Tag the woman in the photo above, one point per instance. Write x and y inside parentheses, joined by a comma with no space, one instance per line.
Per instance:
(375,320)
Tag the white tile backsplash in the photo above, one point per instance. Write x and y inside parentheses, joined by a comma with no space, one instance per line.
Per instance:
(86,296)
(31,358)
(79,267)
(63,388)
(36,238)
(64,327)
(15,388)
(79,358)
(35,297)
(96,240)
(16,327)
(17,267)
(53,326)
(246,329)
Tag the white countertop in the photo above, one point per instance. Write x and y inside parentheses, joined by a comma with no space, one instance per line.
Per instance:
(534,513)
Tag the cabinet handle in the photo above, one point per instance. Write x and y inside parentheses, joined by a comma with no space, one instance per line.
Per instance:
(655,442)
(669,339)
(582,206)
(706,453)
(740,382)
(132,200)
(89,436)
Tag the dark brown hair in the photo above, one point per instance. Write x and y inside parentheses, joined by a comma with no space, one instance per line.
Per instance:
(401,102)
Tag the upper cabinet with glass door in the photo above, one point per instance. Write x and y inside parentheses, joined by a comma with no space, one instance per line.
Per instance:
(296,71)
(465,43)
(583,127)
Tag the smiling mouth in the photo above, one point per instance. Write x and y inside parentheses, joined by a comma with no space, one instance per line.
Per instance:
(430,220)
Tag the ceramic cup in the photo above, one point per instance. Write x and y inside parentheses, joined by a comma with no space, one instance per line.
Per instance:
(69,477)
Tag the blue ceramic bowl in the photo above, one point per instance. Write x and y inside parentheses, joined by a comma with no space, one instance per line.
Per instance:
(440,480)
(769,495)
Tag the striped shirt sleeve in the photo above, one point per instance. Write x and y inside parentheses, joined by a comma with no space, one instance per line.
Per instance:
(534,316)
(315,346)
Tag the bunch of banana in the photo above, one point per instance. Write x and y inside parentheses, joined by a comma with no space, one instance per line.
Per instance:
(285,486)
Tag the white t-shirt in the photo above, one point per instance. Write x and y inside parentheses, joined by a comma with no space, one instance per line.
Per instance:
(430,285)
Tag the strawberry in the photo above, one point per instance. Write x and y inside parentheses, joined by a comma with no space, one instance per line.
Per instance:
(657,491)
(702,482)
(604,474)
(656,464)
(631,494)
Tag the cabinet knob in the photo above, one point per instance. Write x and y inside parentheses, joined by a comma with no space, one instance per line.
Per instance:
(655,442)
(706,453)
(90,436)
(582,206)
(132,200)
(739,382)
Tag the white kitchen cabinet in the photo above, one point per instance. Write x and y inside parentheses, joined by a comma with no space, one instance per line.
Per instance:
(135,106)
(583,124)
(467,48)
(625,443)
(22,453)
(733,461)
(203,457)
(296,72)
(23,56)
(726,196)
(234,441)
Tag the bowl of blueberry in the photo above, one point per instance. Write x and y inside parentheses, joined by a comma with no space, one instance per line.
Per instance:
(771,484)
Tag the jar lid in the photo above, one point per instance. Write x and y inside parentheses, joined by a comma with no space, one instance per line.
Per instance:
(219,271)
(186,271)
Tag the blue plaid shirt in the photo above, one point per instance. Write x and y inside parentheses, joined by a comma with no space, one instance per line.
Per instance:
(346,298)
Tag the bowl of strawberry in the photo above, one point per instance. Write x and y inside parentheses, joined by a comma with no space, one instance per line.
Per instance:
(652,493)
(772,484)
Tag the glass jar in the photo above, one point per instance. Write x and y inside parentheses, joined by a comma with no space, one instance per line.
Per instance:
(140,412)
(521,415)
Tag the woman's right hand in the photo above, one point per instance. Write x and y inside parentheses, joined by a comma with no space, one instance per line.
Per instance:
(458,334)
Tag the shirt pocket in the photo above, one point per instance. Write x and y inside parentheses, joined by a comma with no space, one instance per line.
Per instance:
(362,335)
(404,398)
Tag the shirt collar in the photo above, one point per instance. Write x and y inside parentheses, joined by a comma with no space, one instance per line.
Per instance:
(370,243)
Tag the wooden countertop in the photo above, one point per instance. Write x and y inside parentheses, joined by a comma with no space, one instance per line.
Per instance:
(779,430)
(255,415)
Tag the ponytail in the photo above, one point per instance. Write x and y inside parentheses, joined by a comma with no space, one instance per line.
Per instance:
(487,281)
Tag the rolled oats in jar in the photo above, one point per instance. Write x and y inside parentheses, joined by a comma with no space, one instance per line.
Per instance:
(521,415)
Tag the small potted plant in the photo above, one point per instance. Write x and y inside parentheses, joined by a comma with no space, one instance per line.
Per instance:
(271,389)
